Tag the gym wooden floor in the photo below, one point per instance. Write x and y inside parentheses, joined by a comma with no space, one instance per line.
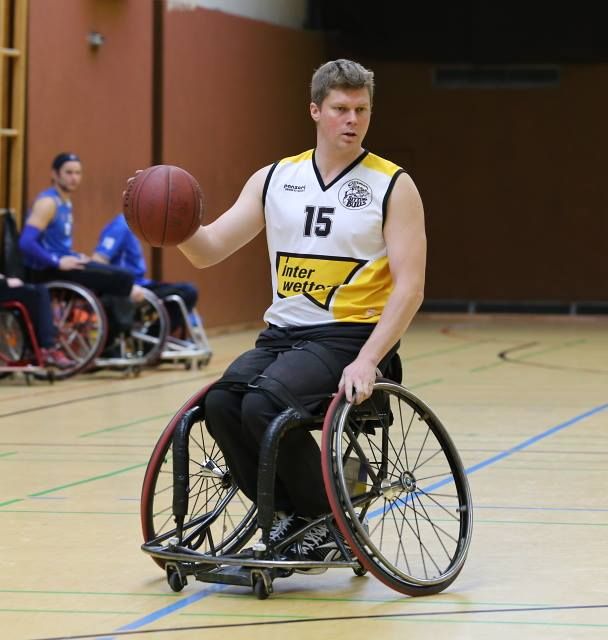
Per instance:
(525,399)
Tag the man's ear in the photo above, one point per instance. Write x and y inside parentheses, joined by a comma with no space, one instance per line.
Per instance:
(315,111)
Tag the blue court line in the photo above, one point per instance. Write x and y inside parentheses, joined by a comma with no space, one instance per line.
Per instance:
(534,439)
(165,611)
(505,454)
(161,613)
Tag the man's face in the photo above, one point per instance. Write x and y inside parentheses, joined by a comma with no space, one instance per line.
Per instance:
(343,117)
(69,175)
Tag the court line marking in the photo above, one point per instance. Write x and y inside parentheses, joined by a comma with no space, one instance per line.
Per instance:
(124,631)
(109,394)
(154,616)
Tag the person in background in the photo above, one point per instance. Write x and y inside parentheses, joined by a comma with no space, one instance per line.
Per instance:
(119,246)
(46,245)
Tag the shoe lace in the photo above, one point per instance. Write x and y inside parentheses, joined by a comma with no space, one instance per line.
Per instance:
(314,537)
(280,526)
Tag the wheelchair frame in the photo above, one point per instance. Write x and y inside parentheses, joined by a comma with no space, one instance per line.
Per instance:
(387,494)
(194,346)
(83,329)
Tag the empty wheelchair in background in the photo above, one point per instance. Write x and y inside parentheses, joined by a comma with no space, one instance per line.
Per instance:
(400,501)
(191,345)
(143,345)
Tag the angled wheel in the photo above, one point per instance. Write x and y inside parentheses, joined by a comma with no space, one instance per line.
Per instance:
(220,519)
(12,338)
(150,328)
(406,510)
(81,324)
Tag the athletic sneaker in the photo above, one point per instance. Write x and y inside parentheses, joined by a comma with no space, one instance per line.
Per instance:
(318,544)
(283,526)
(56,358)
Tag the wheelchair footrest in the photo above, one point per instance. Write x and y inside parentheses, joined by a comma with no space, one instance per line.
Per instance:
(240,576)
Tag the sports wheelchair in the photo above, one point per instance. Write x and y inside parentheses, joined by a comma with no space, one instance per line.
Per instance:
(400,500)
(82,327)
(192,345)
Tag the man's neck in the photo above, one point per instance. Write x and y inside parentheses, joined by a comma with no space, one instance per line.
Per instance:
(331,163)
(64,195)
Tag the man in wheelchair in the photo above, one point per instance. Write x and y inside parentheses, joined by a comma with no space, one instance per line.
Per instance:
(347,249)
(46,245)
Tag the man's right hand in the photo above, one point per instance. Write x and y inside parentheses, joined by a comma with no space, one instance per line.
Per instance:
(68,263)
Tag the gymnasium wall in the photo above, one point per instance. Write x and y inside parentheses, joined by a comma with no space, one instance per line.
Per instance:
(513,181)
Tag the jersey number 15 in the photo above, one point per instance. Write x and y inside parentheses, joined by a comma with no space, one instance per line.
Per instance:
(318,221)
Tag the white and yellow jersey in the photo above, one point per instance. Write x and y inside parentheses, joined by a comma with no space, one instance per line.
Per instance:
(325,242)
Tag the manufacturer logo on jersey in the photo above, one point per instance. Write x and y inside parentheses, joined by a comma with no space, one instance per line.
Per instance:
(315,277)
(298,188)
(355,194)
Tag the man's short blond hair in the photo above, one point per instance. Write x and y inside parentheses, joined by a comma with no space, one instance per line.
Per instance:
(340,74)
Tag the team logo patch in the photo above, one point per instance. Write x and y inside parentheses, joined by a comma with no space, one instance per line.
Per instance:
(315,277)
(355,194)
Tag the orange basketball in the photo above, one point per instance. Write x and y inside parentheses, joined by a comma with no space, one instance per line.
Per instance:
(163,205)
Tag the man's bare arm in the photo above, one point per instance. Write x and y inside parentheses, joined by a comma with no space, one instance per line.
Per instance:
(236,227)
(406,248)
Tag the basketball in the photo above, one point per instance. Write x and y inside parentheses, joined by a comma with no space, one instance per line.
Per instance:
(163,205)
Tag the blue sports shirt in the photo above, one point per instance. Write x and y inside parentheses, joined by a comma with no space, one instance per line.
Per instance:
(122,248)
(56,239)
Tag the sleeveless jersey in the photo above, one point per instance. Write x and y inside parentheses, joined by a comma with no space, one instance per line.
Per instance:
(57,237)
(325,242)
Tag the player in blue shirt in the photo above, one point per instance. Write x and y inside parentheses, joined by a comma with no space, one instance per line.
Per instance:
(46,244)
(119,246)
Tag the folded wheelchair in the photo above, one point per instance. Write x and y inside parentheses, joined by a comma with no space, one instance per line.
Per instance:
(400,500)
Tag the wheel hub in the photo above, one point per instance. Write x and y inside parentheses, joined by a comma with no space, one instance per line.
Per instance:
(392,490)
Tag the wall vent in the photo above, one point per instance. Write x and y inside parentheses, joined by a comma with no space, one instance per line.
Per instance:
(496,77)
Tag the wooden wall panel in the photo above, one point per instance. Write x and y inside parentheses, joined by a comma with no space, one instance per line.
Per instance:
(96,103)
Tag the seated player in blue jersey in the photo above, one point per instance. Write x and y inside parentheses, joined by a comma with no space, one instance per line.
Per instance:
(35,298)
(347,249)
(46,245)
(119,246)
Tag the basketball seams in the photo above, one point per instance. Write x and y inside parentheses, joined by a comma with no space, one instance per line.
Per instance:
(167,184)
(140,222)
(196,210)
(163,205)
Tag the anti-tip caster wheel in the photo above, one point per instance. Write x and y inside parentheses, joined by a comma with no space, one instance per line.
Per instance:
(175,580)
(360,571)
(260,589)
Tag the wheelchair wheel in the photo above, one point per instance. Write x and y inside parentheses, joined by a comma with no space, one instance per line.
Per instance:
(81,324)
(220,518)
(397,488)
(150,328)
(12,339)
